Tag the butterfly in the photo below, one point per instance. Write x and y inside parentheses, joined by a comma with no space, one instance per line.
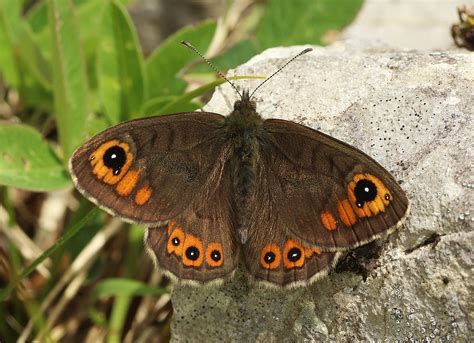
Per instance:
(214,190)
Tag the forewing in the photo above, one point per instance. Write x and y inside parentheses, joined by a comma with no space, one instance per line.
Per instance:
(150,170)
(323,191)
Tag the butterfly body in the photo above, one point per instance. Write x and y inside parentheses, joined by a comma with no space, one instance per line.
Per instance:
(283,198)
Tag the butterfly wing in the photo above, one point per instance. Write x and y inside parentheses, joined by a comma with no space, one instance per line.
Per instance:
(322,191)
(199,246)
(151,170)
(274,258)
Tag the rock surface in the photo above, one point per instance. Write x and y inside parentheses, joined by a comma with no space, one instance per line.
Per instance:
(413,113)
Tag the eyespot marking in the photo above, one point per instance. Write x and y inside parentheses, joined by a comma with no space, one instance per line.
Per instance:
(114,158)
(328,221)
(175,242)
(270,257)
(368,195)
(214,255)
(293,254)
(364,191)
(192,251)
(128,183)
(111,161)
(143,195)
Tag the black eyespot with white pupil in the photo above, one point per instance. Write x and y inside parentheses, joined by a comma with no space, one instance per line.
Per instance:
(364,191)
(294,254)
(387,196)
(175,241)
(192,253)
(115,158)
(216,255)
(269,257)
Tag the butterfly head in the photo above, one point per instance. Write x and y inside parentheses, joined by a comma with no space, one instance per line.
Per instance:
(244,119)
(245,105)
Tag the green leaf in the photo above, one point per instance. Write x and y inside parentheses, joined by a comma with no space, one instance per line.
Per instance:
(89,19)
(70,84)
(153,106)
(10,16)
(27,161)
(120,65)
(240,53)
(184,103)
(159,106)
(22,62)
(117,286)
(171,57)
(33,58)
(303,22)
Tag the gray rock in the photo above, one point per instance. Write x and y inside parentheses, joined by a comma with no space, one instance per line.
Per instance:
(413,113)
(406,24)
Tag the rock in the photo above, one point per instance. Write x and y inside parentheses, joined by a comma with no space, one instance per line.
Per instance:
(412,112)
(406,24)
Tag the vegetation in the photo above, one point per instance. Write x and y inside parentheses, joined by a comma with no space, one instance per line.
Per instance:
(69,69)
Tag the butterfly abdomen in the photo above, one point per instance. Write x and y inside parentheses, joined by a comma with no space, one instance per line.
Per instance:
(243,127)
(244,167)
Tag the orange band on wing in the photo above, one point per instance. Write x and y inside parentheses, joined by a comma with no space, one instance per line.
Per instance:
(347,215)
(376,206)
(308,251)
(128,183)
(328,220)
(143,195)
(101,171)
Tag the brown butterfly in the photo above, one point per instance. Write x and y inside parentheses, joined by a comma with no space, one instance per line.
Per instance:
(283,198)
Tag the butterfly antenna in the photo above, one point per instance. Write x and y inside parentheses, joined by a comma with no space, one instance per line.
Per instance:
(188,45)
(280,69)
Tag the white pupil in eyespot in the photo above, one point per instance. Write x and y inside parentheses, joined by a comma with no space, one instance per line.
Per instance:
(113,156)
(366,189)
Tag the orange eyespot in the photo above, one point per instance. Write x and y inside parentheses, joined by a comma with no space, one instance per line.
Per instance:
(175,242)
(347,215)
(111,161)
(293,254)
(328,220)
(361,212)
(368,195)
(143,195)
(270,257)
(192,254)
(214,255)
(127,183)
